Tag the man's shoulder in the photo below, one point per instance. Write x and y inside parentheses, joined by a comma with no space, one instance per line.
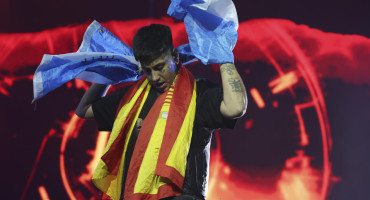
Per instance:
(121,87)
(202,80)
(114,95)
(204,84)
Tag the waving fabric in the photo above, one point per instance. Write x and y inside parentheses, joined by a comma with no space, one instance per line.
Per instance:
(102,58)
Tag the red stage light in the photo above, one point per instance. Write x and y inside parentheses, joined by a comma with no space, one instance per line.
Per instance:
(296,54)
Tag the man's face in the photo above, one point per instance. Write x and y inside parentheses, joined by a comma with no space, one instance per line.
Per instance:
(161,72)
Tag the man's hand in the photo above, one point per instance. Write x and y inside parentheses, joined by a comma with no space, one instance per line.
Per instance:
(235,101)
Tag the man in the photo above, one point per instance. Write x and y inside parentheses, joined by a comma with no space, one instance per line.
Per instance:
(188,109)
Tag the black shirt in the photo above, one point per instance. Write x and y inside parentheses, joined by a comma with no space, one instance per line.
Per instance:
(207,118)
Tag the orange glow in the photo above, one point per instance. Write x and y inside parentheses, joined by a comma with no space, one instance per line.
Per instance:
(302,128)
(313,85)
(298,181)
(283,82)
(257,98)
(101,142)
(215,165)
(70,128)
(80,84)
(225,186)
(262,46)
(227,170)
(43,193)
(286,44)
(51,133)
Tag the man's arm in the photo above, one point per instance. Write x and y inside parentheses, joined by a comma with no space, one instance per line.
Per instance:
(84,108)
(235,100)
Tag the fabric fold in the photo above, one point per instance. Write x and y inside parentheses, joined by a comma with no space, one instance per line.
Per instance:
(211,26)
(102,58)
(157,167)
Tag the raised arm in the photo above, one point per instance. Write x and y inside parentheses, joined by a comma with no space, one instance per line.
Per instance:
(84,108)
(235,101)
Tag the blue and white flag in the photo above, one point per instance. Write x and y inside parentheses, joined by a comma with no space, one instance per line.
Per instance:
(211,26)
(103,58)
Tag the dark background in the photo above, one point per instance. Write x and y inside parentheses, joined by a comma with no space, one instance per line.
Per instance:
(348,17)
(348,104)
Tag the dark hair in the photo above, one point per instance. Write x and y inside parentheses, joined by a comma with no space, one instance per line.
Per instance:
(151,42)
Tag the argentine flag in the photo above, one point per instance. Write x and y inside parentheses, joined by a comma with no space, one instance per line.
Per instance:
(211,26)
(103,58)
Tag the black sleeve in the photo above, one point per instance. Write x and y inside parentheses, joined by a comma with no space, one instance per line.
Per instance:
(209,98)
(105,109)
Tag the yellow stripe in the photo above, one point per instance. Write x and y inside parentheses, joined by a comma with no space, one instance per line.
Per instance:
(180,149)
(111,184)
(149,183)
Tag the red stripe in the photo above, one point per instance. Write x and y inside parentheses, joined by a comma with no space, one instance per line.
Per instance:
(167,190)
(112,158)
(141,146)
(178,109)
(181,100)
(130,93)
(170,173)
(105,197)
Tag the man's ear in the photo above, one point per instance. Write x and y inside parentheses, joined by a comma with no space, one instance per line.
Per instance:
(176,56)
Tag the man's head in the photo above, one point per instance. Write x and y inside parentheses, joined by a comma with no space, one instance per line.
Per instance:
(153,48)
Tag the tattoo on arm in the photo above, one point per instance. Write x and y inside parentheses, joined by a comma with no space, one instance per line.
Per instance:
(229,69)
(236,84)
